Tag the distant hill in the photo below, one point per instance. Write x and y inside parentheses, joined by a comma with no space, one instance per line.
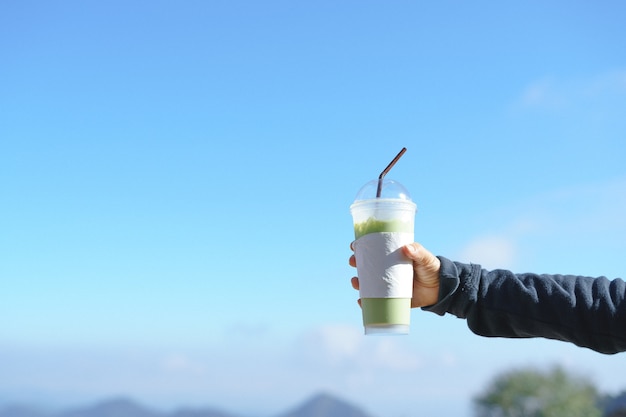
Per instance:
(201,412)
(121,407)
(20,411)
(322,405)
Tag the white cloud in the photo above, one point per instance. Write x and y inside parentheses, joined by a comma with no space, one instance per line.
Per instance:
(608,82)
(332,344)
(490,251)
(344,346)
(553,224)
(550,93)
(543,94)
(449,359)
(182,364)
(591,207)
(392,356)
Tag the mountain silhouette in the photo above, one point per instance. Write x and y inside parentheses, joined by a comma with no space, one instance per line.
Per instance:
(20,411)
(118,407)
(325,405)
(200,412)
(321,405)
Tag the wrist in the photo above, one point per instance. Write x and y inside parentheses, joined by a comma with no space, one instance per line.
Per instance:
(425,296)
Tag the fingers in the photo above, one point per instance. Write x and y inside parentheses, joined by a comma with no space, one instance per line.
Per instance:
(418,254)
(355,283)
(352,260)
(426,268)
(414,251)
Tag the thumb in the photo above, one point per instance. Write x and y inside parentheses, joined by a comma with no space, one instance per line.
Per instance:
(420,255)
(415,252)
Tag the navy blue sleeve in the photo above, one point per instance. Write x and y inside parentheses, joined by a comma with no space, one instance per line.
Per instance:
(589,312)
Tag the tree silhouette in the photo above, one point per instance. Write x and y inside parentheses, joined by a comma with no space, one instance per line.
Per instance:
(532,393)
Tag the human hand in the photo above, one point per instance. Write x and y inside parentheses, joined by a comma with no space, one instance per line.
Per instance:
(425,274)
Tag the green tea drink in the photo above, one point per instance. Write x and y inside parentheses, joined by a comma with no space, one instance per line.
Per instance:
(381,227)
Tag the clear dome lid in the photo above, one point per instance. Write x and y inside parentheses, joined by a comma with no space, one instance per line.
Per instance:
(390,189)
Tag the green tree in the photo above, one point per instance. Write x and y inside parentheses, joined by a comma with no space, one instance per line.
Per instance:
(532,393)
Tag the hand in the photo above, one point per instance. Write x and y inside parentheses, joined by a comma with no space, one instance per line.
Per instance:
(425,274)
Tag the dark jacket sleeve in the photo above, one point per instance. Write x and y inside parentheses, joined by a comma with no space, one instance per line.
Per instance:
(589,312)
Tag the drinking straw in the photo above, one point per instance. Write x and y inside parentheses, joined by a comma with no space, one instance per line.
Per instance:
(386,170)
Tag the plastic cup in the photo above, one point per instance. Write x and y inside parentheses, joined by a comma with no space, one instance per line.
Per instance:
(381,227)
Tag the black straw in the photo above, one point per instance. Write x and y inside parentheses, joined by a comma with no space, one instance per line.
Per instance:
(386,170)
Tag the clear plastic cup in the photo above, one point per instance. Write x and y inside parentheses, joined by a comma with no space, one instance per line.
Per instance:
(382,225)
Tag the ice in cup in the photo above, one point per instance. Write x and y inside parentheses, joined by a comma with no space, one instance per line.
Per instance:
(382,225)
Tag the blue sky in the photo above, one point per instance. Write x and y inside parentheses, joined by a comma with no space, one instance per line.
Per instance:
(175,181)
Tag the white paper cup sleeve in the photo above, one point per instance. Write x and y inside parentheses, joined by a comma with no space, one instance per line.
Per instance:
(384,271)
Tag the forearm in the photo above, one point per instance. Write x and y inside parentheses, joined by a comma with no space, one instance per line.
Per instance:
(589,312)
